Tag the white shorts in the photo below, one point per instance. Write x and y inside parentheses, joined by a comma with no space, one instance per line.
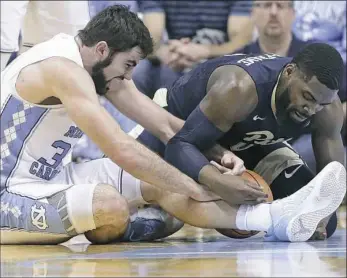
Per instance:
(67,212)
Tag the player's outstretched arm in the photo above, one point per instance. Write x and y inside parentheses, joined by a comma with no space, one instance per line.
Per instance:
(231,97)
(75,88)
(144,111)
(151,115)
(326,135)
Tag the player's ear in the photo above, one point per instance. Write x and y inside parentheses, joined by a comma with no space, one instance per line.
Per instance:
(290,69)
(102,50)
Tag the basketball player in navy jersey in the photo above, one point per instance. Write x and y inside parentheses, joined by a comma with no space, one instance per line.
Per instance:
(254,105)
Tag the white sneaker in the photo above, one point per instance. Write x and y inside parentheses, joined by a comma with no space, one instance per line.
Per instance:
(295,218)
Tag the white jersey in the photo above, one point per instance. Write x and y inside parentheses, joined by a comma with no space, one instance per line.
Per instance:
(35,138)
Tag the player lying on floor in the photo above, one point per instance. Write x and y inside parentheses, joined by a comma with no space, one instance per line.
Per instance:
(254,105)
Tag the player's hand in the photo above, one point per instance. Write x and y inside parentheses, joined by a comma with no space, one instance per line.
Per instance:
(230,165)
(193,51)
(238,191)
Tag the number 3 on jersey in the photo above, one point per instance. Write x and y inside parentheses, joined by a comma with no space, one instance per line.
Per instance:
(58,157)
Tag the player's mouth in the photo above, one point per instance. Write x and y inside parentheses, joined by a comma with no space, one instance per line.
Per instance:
(297,116)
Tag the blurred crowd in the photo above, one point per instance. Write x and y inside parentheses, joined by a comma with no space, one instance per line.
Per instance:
(185,34)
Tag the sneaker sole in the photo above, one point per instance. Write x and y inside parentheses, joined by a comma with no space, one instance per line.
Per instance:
(322,202)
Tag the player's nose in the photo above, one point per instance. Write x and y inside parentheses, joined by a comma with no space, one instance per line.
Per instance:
(128,75)
(310,110)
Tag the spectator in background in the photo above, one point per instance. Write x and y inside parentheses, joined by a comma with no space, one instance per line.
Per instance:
(273,21)
(196,30)
(323,21)
(98,5)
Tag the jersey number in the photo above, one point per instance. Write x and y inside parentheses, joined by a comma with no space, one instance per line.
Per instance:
(58,157)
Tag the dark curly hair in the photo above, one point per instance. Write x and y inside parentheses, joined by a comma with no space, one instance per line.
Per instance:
(120,28)
(323,61)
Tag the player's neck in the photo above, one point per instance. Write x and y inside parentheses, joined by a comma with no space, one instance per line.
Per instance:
(278,45)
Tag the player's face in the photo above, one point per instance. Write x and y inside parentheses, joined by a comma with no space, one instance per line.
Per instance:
(116,68)
(273,18)
(301,98)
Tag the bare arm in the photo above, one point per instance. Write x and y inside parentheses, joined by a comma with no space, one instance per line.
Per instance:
(326,135)
(155,22)
(145,111)
(151,116)
(77,93)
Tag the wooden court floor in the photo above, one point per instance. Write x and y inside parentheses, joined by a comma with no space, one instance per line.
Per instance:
(191,252)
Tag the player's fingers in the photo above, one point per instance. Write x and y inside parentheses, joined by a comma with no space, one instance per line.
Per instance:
(238,168)
(256,193)
(221,168)
(254,186)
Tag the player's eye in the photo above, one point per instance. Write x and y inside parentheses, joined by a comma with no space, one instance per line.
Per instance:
(308,96)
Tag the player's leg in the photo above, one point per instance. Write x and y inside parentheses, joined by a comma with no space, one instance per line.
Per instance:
(294,218)
(28,221)
(286,172)
(109,217)
(146,223)
(97,210)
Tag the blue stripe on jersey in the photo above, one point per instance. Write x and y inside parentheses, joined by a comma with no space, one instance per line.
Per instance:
(17,122)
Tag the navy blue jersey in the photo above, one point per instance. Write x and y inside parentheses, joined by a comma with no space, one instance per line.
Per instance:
(260,129)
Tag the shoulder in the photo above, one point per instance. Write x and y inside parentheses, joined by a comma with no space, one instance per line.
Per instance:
(59,65)
(233,86)
(232,77)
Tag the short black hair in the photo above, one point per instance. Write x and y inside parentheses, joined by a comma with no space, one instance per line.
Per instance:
(120,28)
(323,61)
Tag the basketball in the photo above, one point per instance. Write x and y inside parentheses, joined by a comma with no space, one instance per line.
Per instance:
(254,177)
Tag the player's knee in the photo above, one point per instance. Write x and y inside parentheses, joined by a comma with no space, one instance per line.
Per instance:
(109,207)
(291,180)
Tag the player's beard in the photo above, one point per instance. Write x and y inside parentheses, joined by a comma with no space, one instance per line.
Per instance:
(287,125)
(99,77)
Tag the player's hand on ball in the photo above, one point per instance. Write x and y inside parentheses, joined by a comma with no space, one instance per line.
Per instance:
(236,190)
(243,192)
(230,165)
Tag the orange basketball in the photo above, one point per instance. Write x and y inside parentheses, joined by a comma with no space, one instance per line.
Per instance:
(254,177)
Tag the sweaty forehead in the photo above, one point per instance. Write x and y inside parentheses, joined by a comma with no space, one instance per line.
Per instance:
(320,91)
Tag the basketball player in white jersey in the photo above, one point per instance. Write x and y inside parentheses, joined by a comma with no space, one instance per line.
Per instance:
(50,97)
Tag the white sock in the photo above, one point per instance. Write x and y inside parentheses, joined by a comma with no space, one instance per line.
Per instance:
(254,218)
